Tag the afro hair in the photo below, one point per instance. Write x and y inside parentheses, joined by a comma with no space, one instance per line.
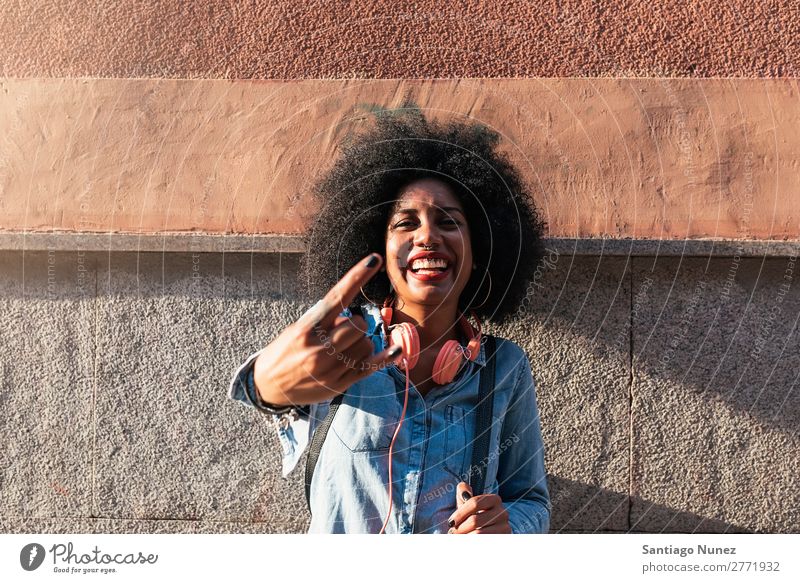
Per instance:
(355,200)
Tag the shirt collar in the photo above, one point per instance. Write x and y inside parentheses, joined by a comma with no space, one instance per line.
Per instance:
(372,314)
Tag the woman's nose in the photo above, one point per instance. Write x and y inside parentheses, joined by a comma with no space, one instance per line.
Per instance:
(427,235)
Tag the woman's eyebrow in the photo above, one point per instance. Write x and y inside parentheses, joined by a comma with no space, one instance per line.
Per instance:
(412,210)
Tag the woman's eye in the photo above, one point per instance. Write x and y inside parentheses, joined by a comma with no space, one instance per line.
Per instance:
(449,222)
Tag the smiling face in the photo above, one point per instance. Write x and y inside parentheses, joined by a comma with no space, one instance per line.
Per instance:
(427,212)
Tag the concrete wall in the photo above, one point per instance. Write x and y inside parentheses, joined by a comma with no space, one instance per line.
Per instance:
(667,392)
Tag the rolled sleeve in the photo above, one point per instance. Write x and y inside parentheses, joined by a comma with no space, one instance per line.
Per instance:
(238,386)
(522,476)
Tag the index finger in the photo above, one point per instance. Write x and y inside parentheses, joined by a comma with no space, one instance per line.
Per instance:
(324,312)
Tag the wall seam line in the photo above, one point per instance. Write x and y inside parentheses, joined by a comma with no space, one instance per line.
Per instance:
(630,398)
(93,511)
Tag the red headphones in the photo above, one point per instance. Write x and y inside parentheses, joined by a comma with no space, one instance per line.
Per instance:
(450,356)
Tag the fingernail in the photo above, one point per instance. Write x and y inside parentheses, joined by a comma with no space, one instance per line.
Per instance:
(395,351)
(372,261)
(465,495)
(451,523)
(451,531)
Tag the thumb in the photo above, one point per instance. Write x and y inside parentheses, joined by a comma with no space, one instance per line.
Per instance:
(463,493)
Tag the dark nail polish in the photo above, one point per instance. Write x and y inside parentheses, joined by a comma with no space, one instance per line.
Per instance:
(395,351)
(372,262)
(465,495)
(451,524)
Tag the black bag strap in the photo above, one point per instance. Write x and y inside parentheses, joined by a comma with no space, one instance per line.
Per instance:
(316,444)
(483,423)
(483,426)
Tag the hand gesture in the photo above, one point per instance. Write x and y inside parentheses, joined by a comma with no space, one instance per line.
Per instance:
(322,354)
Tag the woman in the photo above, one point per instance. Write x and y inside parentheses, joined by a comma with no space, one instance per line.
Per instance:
(399,430)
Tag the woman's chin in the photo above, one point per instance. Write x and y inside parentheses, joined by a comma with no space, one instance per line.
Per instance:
(429,293)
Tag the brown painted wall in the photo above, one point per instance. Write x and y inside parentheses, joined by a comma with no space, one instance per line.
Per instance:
(382,38)
(639,158)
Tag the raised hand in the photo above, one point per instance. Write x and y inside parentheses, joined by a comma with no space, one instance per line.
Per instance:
(322,354)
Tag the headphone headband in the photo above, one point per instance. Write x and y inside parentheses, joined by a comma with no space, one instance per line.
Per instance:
(474,336)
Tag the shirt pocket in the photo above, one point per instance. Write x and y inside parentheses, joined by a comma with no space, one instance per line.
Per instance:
(456,444)
(366,422)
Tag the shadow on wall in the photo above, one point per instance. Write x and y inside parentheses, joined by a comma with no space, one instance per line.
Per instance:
(576,505)
(718,330)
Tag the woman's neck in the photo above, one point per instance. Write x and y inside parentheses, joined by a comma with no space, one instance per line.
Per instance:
(435,324)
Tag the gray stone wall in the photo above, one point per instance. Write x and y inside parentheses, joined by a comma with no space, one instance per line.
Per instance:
(667,388)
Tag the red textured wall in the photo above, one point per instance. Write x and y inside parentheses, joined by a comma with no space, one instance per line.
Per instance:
(382,38)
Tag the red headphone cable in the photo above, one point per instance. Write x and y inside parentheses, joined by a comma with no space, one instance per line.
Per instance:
(391,448)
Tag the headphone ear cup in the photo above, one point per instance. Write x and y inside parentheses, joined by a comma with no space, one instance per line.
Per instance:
(447,362)
(406,336)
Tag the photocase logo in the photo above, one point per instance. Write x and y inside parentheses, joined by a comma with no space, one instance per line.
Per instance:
(31,556)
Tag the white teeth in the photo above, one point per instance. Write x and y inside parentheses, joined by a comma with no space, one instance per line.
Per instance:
(429,264)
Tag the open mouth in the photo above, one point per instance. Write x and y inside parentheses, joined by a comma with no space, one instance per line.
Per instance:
(429,269)
(429,266)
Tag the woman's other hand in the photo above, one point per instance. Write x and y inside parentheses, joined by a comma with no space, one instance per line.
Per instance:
(322,354)
(484,514)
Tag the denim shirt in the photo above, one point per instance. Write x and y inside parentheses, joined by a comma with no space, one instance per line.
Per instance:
(432,452)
